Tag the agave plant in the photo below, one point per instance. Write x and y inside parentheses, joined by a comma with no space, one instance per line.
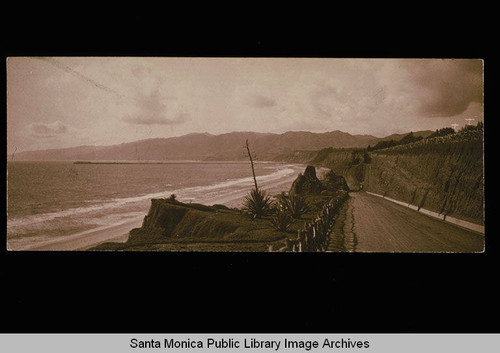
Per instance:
(282,200)
(296,205)
(281,220)
(257,203)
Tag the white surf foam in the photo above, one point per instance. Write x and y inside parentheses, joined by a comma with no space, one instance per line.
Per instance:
(189,193)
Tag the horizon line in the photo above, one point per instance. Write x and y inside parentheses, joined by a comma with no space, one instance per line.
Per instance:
(211,134)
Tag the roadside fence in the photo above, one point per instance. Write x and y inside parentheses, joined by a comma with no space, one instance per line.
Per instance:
(315,235)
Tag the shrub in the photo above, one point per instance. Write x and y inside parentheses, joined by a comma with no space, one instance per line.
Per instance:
(281,220)
(282,200)
(257,203)
(409,139)
(442,132)
(296,205)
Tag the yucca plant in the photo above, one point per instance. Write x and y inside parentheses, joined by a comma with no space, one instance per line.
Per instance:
(281,220)
(257,203)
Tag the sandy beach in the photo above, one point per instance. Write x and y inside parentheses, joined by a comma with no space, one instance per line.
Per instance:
(119,232)
(87,239)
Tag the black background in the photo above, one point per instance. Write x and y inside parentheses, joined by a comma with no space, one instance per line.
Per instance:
(108,292)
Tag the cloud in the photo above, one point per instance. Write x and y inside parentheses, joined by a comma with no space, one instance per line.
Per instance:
(446,88)
(153,111)
(47,129)
(156,119)
(323,97)
(260,101)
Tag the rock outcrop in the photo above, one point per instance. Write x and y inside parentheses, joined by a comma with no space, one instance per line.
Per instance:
(333,182)
(307,183)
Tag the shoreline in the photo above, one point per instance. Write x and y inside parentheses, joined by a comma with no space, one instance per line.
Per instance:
(119,233)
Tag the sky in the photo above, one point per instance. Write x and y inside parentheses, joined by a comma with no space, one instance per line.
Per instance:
(59,102)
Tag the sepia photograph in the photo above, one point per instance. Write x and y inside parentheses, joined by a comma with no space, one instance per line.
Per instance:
(245,154)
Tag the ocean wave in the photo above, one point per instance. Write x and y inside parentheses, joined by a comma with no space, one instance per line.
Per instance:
(189,193)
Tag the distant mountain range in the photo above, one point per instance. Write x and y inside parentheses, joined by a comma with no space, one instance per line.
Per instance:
(397,137)
(205,146)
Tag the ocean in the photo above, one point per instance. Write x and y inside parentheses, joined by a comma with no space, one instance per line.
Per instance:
(50,200)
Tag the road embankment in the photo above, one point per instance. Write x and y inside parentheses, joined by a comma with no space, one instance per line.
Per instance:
(373,224)
(459,222)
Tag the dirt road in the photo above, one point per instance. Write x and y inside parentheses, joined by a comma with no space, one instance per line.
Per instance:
(372,224)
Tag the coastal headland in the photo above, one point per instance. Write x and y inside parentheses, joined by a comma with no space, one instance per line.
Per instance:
(171,225)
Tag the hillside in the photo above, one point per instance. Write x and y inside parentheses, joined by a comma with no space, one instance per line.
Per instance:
(204,146)
(442,174)
(396,137)
(171,225)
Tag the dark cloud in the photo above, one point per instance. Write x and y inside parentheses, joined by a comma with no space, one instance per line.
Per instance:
(259,101)
(180,118)
(447,87)
(47,129)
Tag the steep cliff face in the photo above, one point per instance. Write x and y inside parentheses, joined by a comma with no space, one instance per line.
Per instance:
(169,221)
(349,163)
(166,216)
(444,177)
